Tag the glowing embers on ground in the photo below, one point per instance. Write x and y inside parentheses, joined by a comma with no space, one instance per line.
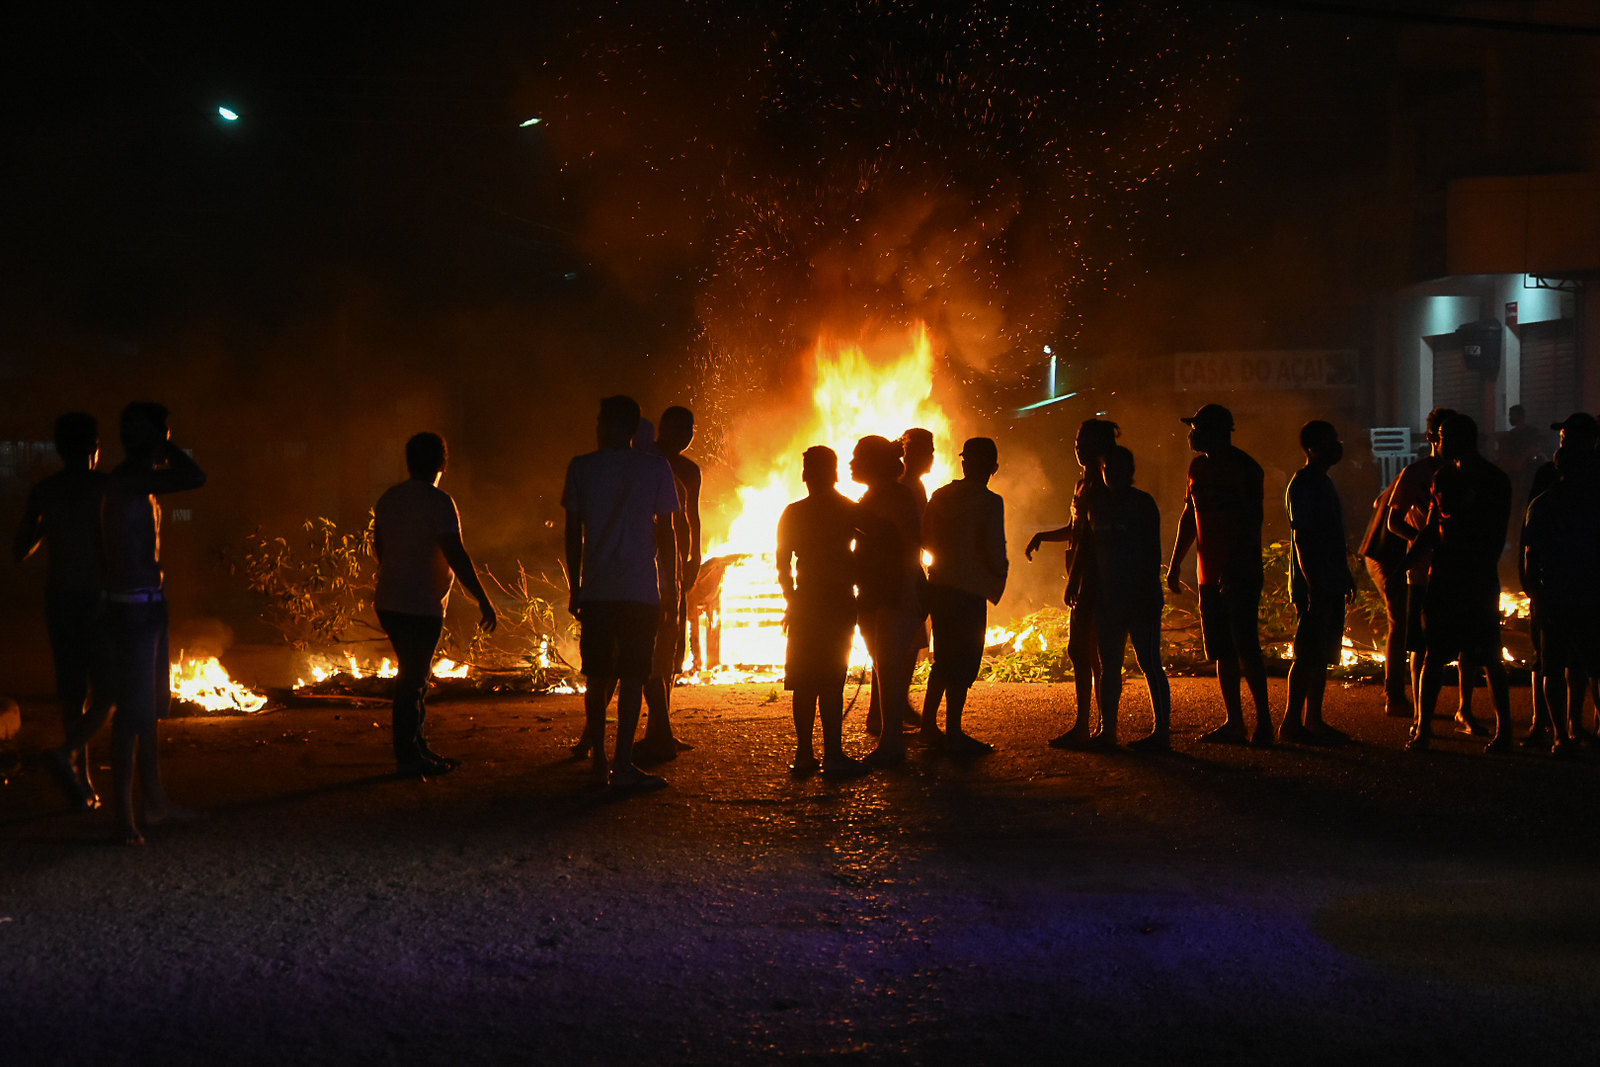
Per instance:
(204,682)
(853,396)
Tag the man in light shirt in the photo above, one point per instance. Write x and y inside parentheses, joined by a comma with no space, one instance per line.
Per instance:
(417,539)
(614,497)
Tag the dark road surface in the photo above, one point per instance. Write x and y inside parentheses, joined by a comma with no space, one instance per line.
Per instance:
(1215,905)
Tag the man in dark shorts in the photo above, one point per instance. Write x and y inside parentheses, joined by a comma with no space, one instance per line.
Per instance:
(130,524)
(1561,573)
(964,528)
(416,535)
(1466,527)
(63,514)
(1319,583)
(614,497)
(1222,514)
(817,570)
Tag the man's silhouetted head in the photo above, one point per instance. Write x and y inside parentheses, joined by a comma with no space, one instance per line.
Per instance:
(425,456)
(77,437)
(819,466)
(1458,437)
(916,445)
(1321,444)
(1210,428)
(979,458)
(677,429)
(143,427)
(619,418)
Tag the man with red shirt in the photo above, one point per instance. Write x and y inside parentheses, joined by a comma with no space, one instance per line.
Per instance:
(1222,518)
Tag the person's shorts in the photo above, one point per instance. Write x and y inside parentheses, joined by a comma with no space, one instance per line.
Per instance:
(959,621)
(818,654)
(1319,634)
(1416,633)
(1230,622)
(617,638)
(1461,617)
(1567,636)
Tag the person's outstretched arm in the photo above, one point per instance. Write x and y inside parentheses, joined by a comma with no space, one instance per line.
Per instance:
(1060,533)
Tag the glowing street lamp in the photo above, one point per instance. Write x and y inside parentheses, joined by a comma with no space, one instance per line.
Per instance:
(227,114)
(529,122)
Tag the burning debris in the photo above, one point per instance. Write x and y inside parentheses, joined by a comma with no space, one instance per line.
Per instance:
(202,684)
(738,621)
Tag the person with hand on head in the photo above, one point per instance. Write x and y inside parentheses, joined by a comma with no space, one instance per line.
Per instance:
(416,537)
(136,611)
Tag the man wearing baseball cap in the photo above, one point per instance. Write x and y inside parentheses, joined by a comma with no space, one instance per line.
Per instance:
(1222,515)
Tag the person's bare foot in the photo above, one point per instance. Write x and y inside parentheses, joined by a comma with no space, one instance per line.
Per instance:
(1077,737)
(963,744)
(805,765)
(1153,743)
(842,767)
(653,750)
(127,834)
(1228,733)
(886,756)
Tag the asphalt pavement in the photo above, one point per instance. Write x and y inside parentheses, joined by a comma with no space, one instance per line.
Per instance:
(1217,904)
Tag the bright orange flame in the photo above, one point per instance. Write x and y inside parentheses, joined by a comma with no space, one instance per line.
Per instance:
(202,680)
(853,397)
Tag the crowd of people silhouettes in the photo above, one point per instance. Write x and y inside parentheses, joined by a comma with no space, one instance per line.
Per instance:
(1432,548)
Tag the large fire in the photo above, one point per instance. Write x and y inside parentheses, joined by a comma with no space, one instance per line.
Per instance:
(854,396)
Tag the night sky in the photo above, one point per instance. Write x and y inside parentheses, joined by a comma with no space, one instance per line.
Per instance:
(378,244)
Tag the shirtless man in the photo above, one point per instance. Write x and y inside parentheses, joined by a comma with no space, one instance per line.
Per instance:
(137,610)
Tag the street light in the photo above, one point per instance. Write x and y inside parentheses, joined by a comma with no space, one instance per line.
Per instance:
(227,114)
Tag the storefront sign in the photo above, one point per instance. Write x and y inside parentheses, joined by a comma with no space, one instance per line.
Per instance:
(1308,368)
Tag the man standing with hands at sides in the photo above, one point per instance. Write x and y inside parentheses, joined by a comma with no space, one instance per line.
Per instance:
(1319,583)
(1222,515)
(614,497)
(63,514)
(137,610)
(416,536)
(964,528)
(659,744)
(817,571)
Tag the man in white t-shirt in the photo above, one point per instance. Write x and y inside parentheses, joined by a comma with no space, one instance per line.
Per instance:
(417,539)
(613,499)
